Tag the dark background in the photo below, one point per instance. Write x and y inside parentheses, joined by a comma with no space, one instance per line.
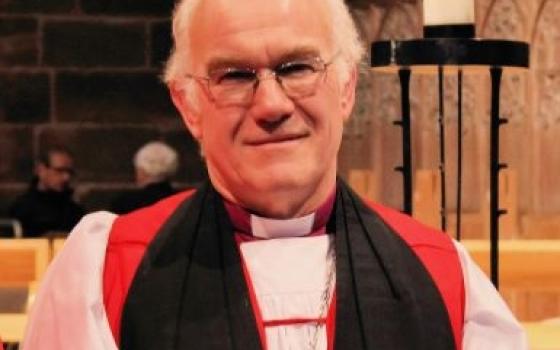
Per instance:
(85,73)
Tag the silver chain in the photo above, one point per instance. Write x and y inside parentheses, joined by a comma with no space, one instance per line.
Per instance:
(325,297)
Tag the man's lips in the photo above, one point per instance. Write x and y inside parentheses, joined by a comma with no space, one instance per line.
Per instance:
(275,139)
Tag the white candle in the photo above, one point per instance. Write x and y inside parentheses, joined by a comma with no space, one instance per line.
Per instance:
(448,12)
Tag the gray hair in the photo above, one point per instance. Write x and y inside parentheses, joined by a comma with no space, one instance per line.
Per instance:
(345,37)
(157,160)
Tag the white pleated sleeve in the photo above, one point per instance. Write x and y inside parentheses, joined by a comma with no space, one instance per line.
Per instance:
(489,324)
(68,312)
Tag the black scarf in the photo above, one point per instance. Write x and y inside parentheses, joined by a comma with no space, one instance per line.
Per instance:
(189,291)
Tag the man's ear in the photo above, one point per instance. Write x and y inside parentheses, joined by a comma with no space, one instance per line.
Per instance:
(190,115)
(41,170)
(348,93)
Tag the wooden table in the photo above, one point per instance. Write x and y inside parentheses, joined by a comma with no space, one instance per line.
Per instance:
(12,327)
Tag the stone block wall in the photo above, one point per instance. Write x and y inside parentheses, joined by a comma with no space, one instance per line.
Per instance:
(85,74)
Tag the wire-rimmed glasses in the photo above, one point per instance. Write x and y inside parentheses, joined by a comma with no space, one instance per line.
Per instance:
(236,86)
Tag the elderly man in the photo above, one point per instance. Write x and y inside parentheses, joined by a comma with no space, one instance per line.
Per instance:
(155,163)
(273,252)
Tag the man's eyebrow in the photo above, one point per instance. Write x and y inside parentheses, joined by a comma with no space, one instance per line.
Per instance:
(227,62)
(298,53)
(218,63)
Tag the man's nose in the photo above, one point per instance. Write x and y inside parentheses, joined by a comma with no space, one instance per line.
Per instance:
(270,102)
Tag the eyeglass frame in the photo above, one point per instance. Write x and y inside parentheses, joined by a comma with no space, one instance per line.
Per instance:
(63,170)
(270,73)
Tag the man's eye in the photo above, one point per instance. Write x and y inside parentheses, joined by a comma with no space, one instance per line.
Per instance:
(294,69)
(234,76)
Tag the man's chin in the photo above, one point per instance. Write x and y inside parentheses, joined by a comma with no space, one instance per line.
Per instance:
(279,179)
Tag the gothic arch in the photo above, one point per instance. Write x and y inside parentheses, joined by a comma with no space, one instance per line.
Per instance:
(537,18)
(510,23)
(545,79)
(401,21)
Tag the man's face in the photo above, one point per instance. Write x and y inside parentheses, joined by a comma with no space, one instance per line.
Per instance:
(56,175)
(276,146)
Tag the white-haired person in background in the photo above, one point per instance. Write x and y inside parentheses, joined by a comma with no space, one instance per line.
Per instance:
(273,251)
(155,164)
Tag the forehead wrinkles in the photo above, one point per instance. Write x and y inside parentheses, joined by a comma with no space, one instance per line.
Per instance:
(227,15)
(250,21)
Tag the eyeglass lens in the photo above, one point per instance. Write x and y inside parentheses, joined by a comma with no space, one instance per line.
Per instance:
(236,86)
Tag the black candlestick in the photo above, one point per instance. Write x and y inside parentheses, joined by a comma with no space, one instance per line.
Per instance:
(466,54)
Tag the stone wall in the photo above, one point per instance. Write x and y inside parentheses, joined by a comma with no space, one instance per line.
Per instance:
(85,73)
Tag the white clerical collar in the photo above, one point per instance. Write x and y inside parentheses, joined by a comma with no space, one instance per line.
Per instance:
(259,227)
(281,228)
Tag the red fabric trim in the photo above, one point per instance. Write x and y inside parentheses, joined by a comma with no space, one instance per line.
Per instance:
(331,322)
(128,240)
(439,256)
(292,321)
(252,296)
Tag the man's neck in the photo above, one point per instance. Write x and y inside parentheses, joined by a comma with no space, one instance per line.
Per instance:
(280,203)
(267,228)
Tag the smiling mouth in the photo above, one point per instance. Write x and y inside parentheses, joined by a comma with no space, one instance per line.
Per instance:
(276,140)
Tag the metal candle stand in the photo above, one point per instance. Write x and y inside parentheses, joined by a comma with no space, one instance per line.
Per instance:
(433,55)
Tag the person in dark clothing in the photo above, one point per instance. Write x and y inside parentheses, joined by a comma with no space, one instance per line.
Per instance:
(155,163)
(48,206)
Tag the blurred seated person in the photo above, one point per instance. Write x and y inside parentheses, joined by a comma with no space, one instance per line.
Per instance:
(155,164)
(47,206)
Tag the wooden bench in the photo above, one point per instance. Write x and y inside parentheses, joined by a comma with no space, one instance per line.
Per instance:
(426,198)
(529,275)
(12,327)
(427,206)
(364,182)
(23,260)
(543,226)
(543,335)
(23,265)
(56,246)
(523,263)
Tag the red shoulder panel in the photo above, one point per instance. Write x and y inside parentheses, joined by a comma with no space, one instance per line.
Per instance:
(438,254)
(128,240)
